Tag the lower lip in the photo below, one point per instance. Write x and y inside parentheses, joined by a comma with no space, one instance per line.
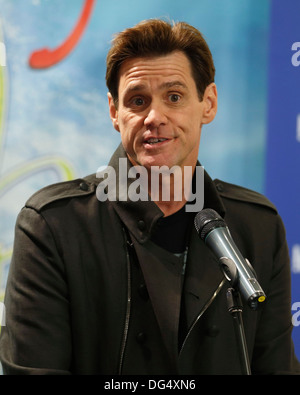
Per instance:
(156,145)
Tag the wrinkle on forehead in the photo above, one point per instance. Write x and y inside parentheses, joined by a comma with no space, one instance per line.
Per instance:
(137,87)
(175,68)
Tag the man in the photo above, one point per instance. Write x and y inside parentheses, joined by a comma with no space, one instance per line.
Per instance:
(125,286)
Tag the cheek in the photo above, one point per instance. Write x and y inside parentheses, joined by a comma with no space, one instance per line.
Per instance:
(194,120)
(126,119)
(130,126)
(190,122)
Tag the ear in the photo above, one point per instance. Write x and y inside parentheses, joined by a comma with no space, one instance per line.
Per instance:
(210,100)
(113,112)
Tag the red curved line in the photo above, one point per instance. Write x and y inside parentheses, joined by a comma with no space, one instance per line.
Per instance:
(46,57)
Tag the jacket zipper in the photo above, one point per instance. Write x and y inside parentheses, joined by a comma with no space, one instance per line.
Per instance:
(206,306)
(128,307)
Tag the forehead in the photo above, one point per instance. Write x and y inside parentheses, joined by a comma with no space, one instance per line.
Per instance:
(169,68)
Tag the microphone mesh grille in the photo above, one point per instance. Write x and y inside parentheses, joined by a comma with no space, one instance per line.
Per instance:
(206,220)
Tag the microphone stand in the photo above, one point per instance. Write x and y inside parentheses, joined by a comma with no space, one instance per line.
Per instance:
(235,308)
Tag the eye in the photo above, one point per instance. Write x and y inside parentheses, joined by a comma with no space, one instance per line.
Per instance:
(174,98)
(138,101)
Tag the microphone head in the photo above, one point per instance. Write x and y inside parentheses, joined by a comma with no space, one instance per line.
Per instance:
(207,220)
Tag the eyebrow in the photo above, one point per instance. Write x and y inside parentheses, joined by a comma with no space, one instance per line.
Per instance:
(164,85)
(171,84)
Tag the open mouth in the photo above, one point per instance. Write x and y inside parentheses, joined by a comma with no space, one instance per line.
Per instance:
(153,141)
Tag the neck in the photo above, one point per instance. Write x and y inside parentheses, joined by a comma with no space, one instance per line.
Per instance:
(169,188)
(169,208)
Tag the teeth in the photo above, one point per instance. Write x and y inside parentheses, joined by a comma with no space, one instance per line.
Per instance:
(154,141)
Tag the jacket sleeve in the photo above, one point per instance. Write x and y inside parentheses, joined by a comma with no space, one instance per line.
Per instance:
(274,350)
(36,338)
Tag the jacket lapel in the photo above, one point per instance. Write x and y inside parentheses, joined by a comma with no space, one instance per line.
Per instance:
(202,279)
(163,276)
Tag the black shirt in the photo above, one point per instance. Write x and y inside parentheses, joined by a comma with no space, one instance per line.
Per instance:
(172,232)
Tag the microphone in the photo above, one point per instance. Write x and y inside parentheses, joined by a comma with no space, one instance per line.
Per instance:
(213,230)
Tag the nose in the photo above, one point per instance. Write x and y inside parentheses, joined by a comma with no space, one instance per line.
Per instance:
(155,117)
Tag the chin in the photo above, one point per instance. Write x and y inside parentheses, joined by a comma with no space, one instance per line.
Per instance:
(157,163)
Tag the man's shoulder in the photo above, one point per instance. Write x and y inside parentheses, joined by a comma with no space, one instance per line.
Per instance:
(242,194)
(76,188)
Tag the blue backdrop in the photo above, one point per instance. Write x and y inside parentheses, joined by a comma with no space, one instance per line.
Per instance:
(54,122)
(283,142)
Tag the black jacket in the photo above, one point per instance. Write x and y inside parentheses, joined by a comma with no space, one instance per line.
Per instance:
(89,293)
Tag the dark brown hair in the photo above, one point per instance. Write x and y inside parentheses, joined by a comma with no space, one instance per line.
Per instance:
(156,37)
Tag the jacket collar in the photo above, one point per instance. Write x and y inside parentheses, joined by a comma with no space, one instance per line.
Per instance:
(140,217)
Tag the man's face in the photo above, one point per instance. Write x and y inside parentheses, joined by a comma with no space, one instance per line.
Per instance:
(159,114)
